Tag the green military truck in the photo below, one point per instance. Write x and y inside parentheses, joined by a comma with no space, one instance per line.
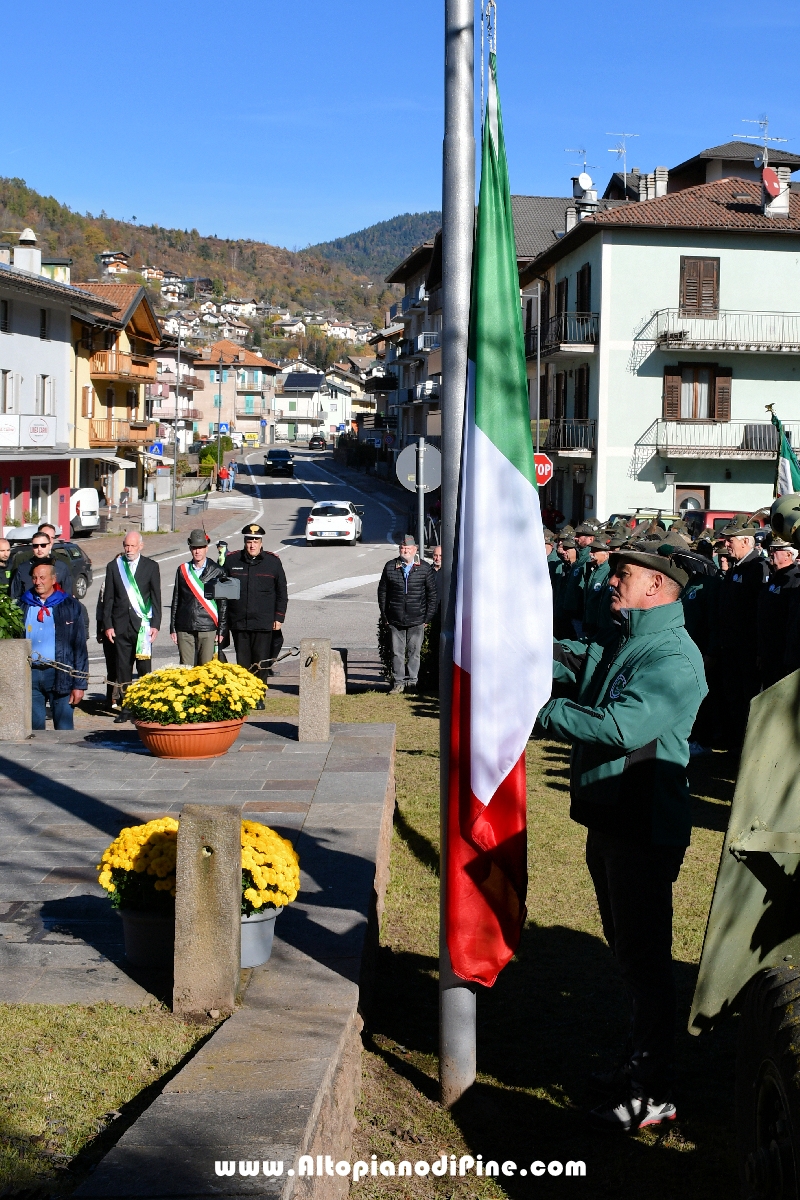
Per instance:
(751,952)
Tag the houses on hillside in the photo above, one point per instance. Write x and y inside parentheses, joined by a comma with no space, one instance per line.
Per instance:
(238,390)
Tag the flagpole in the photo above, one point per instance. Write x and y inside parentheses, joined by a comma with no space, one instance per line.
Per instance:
(456,998)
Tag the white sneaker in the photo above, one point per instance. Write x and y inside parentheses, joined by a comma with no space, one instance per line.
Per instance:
(632,1111)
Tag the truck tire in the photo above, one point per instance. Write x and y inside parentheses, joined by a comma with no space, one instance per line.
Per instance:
(768,1086)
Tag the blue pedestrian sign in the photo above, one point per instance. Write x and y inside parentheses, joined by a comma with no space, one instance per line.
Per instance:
(156,448)
(263,422)
(224,427)
(342,428)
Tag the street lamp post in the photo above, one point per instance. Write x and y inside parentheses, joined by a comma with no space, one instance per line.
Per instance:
(173,525)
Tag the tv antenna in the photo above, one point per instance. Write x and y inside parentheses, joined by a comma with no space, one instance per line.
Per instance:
(621,151)
(582,153)
(761,160)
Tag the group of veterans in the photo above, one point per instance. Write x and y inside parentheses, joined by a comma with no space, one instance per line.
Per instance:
(740,597)
(661,642)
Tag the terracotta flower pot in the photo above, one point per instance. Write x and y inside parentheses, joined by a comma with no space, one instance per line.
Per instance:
(206,739)
(149,938)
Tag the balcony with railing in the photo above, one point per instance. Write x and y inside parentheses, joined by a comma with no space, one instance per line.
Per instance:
(576,438)
(111,431)
(425,342)
(168,414)
(428,390)
(414,301)
(716,439)
(565,335)
(114,364)
(734,330)
(188,382)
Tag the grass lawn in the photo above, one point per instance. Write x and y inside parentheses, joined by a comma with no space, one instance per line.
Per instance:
(64,1075)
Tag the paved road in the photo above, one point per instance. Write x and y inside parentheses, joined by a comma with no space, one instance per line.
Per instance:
(332,588)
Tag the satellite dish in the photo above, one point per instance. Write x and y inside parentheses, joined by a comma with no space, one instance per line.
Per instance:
(772,185)
(759,161)
(585,181)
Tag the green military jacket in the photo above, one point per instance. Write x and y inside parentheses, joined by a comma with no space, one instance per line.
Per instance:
(5,580)
(637,695)
(597,620)
(575,585)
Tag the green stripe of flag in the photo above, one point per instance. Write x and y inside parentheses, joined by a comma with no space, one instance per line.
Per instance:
(497,345)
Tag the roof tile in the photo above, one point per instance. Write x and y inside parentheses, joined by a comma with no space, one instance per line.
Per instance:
(707,206)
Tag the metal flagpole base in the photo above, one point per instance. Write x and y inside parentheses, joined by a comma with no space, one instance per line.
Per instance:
(457,1037)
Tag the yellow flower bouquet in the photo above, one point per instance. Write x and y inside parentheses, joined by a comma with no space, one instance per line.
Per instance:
(138,868)
(215,691)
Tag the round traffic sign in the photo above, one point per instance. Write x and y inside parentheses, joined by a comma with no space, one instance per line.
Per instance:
(544,469)
(406,468)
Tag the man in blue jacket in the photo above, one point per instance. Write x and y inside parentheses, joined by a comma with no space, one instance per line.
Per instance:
(54,624)
(636,695)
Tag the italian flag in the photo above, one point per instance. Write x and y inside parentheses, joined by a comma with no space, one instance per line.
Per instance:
(787,474)
(502,653)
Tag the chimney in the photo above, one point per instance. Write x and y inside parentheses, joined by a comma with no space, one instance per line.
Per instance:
(207,352)
(5,253)
(27,257)
(662,179)
(241,356)
(651,186)
(777,206)
(642,187)
(570,218)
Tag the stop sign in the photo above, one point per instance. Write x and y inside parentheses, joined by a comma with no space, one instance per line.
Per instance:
(544,469)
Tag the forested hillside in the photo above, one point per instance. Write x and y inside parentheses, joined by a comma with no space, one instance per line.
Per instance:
(306,279)
(377,250)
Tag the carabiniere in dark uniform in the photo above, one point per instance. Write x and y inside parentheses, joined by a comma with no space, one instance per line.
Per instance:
(262,602)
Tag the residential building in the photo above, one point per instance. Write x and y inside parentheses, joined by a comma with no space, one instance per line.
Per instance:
(152,273)
(302,406)
(667,326)
(114,262)
(113,364)
(172,396)
(239,308)
(408,356)
(293,327)
(40,454)
(232,330)
(185,321)
(238,390)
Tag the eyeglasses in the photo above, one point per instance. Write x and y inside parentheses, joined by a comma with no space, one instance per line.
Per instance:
(255,539)
(40,545)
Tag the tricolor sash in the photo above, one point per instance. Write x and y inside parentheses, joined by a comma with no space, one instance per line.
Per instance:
(195,585)
(142,610)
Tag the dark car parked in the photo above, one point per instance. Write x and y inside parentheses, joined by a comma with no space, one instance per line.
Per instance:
(278,462)
(78,560)
(317,442)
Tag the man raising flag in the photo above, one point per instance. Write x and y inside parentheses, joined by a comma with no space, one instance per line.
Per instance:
(502,652)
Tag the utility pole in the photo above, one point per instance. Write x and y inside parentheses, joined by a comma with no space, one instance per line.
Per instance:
(538,360)
(456,997)
(421,497)
(173,526)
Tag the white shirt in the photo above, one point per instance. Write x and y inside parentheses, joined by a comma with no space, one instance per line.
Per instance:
(132,562)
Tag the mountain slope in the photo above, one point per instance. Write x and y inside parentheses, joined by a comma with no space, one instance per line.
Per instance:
(376,250)
(307,279)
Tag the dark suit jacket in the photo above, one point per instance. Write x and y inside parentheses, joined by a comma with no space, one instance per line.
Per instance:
(117,611)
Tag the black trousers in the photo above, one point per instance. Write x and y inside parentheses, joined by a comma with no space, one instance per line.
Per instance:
(741,682)
(110,655)
(633,885)
(255,646)
(125,642)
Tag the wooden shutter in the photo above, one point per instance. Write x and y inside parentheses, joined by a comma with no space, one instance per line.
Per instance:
(699,287)
(672,393)
(560,406)
(722,394)
(544,389)
(562,295)
(584,297)
(87,405)
(582,394)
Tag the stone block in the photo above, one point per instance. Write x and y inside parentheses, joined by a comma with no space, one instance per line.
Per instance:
(208,909)
(315,690)
(15,689)
(339,672)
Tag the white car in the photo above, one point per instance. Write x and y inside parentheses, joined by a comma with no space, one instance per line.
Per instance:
(83,511)
(334,520)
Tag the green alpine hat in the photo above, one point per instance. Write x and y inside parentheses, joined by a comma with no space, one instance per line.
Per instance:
(740,526)
(653,560)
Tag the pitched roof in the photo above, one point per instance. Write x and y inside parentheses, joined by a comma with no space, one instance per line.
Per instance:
(76,294)
(743,150)
(707,207)
(130,306)
(537,221)
(228,353)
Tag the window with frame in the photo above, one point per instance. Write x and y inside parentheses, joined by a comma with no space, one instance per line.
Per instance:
(560,396)
(581,405)
(5,316)
(699,295)
(583,299)
(44,324)
(42,394)
(292,406)
(5,392)
(87,401)
(697,392)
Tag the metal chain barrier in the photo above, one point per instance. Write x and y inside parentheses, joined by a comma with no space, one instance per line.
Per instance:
(87,677)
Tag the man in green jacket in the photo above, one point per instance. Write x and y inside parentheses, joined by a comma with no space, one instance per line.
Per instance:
(637,692)
(597,618)
(575,581)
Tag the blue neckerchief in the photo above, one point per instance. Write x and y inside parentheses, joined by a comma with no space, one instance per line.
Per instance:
(34,601)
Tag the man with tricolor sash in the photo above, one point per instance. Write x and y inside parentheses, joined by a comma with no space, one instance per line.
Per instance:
(132,607)
(198,622)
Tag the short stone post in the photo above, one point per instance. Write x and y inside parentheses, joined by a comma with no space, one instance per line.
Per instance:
(315,690)
(208,909)
(339,672)
(15,689)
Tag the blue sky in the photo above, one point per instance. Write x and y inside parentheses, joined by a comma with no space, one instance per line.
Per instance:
(302,121)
